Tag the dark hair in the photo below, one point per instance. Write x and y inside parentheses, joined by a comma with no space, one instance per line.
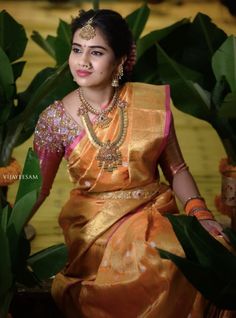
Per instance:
(115,29)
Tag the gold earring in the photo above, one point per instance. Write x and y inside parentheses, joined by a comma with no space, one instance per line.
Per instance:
(118,76)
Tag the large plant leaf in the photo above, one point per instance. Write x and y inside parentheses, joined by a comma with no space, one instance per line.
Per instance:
(28,190)
(4,217)
(6,79)
(63,42)
(187,94)
(6,277)
(150,39)
(21,212)
(49,261)
(18,68)
(13,37)
(48,44)
(213,271)
(228,106)
(224,62)
(137,21)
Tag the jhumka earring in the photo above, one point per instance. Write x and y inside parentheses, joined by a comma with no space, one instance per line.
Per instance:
(87,32)
(118,76)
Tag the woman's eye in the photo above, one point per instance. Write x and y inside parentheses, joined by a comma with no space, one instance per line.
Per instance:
(97,53)
(76,50)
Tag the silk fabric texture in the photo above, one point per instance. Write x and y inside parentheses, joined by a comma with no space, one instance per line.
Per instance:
(113,222)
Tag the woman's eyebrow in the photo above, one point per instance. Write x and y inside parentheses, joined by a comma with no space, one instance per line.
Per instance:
(91,46)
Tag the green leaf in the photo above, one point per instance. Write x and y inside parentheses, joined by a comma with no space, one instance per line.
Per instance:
(48,44)
(4,217)
(147,41)
(6,277)
(206,34)
(13,37)
(187,94)
(6,78)
(49,261)
(224,62)
(21,212)
(18,69)
(213,271)
(137,21)
(228,106)
(63,42)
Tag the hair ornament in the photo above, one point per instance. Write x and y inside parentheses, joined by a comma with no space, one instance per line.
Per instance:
(87,32)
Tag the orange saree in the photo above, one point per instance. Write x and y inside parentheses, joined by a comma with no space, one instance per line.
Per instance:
(113,222)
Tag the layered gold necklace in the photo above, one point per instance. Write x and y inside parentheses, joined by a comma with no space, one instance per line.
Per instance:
(102,119)
(109,156)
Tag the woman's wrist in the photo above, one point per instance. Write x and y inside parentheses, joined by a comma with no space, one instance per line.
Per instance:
(196,206)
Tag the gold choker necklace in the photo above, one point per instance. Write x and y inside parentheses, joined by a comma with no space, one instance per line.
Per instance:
(102,119)
(109,156)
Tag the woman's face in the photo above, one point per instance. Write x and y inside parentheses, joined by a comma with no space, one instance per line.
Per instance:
(92,62)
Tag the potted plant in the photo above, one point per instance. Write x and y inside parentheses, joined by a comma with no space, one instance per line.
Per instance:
(17,266)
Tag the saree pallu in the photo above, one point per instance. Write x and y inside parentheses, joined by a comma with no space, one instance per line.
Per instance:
(114,222)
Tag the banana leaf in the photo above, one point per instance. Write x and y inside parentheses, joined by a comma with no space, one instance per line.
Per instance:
(6,81)
(187,94)
(43,263)
(208,265)
(13,39)
(150,39)
(48,44)
(224,62)
(6,277)
(63,42)
(137,21)
(228,106)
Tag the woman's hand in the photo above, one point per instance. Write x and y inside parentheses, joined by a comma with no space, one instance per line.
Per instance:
(214,228)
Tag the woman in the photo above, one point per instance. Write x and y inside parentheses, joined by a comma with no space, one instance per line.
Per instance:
(114,134)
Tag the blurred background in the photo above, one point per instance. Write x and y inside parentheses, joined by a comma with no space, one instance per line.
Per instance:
(200,145)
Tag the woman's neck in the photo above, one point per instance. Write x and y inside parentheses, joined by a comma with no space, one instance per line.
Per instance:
(99,97)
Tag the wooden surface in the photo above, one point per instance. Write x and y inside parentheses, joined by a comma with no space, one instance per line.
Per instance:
(200,145)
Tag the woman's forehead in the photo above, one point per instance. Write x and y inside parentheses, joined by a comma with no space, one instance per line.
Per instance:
(98,40)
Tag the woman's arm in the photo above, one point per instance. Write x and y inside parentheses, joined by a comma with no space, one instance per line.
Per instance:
(183,184)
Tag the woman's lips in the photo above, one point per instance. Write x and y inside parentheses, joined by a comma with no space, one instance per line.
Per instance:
(82,73)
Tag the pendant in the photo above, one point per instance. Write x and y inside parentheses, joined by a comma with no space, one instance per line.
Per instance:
(109,157)
(103,121)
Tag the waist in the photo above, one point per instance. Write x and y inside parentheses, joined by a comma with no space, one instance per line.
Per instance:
(137,193)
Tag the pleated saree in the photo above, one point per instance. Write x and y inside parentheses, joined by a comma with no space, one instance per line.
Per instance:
(114,222)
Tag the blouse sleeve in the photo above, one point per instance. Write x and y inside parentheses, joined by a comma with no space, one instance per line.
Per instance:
(171,159)
(49,147)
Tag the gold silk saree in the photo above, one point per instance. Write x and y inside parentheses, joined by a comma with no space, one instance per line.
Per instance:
(113,222)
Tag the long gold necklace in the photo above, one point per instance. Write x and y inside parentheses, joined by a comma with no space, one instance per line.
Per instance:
(109,156)
(102,119)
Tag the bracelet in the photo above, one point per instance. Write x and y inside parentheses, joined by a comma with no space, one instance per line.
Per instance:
(193,198)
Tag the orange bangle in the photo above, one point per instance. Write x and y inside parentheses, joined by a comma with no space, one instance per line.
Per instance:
(194,203)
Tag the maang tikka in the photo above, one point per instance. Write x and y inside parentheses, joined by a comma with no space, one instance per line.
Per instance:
(87,32)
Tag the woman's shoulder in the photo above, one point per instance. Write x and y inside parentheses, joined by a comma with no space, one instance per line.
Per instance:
(150,88)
